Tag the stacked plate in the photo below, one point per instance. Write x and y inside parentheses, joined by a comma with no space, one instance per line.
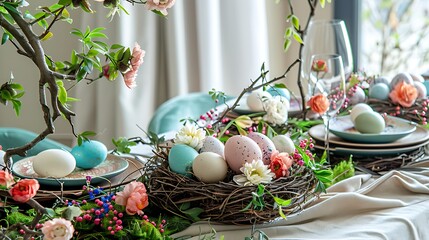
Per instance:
(399,136)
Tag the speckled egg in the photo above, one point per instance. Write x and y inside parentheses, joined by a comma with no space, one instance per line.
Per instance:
(369,122)
(283,143)
(239,150)
(209,167)
(421,89)
(265,144)
(212,144)
(358,109)
(400,77)
(275,91)
(255,100)
(180,159)
(358,96)
(379,91)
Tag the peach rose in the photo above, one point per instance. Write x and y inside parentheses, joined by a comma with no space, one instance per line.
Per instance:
(160,5)
(133,197)
(404,94)
(319,103)
(319,66)
(6,179)
(280,163)
(57,229)
(24,190)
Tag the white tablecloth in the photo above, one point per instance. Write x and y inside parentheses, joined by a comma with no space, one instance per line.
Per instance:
(393,206)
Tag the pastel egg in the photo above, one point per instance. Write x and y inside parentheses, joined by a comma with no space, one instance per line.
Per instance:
(255,100)
(265,144)
(357,97)
(381,79)
(379,91)
(358,109)
(2,153)
(369,122)
(89,154)
(283,143)
(417,77)
(180,159)
(401,77)
(209,167)
(275,91)
(239,150)
(212,144)
(55,163)
(421,89)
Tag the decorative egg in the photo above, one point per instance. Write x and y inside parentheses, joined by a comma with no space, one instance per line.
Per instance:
(357,97)
(89,154)
(283,143)
(2,153)
(381,79)
(369,122)
(255,100)
(265,144)
(358,109)
(209,167)
(417,77)
(180,159)
(421,89)
(275,91)
(379,91)
(401,77)
(212,144)
(239,150)
(55,163)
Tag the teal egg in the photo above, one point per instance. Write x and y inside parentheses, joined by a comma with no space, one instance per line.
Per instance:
(181,158)
(370,122)
(89,154)
(379,91)
(275,91)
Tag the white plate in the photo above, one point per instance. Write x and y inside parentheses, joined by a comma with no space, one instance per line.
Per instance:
(418,136)
(396,128)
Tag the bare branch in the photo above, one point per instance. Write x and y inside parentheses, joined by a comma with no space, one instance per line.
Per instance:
(18,36)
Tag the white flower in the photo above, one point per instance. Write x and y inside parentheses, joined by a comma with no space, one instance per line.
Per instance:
(277,110)
(191,136)
(254,173)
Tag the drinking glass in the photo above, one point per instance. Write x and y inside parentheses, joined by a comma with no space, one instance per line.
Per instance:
(328,87)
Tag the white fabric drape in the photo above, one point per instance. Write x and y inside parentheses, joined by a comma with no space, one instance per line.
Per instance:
(201,45)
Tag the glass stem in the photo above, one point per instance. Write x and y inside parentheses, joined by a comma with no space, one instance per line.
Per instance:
(326,121)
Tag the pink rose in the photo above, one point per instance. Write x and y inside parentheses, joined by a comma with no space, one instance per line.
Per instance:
(24,190)
(133,197)
(280,163)
(57,229)
(130,78)
(6,179)
(160,5)
(137,56)
(404,94)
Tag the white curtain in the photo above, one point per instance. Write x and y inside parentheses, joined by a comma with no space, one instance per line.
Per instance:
(200,45)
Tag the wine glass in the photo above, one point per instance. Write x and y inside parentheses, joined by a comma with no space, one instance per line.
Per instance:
(326,37)
(328,87)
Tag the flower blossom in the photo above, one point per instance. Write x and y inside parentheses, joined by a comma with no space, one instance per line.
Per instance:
(319,103)
(6,179)
(319,66)
(276,110)
(57,229)
(24,190)
(160,5)
(254,173)
(190,135)
(404,94)
(280,163)
(133,197)
(135,62)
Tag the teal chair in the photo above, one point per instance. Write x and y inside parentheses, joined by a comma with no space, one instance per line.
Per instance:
(168,115)
(16,137)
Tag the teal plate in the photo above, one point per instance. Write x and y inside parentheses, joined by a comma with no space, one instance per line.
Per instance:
(112,166)
(396,128)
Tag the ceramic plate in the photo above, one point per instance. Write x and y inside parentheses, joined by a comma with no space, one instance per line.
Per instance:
(111,167)
(419,135)
(395,129)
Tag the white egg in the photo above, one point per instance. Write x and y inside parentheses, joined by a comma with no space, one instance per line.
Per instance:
(283,143)
(255,100)
(417,77)
(358,109)
(2,153)
(421,89)
(209,167)
(55,163)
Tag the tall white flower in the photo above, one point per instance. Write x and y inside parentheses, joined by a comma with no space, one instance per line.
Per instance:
(254,173)
(276,110)
(191,136)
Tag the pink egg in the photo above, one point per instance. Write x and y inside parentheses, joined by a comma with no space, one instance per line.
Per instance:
(239,150)
(265,144)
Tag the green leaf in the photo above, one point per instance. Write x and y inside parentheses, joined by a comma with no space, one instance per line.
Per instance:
(282,202)
(19,95)
(65,2)
(4,38)
(260,190)
(193,213)
(5,94)
(10,7)
(62,92)
(322,3)
(295,22)
(286,44)
(297,37)
(50,212)
(16,106)
(288,32)
(71,212)
(47,36)
(97,34)
(281,213)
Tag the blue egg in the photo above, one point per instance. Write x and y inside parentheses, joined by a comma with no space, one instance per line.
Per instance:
(379,91)
(275,91)
(181,158)
(89,154)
